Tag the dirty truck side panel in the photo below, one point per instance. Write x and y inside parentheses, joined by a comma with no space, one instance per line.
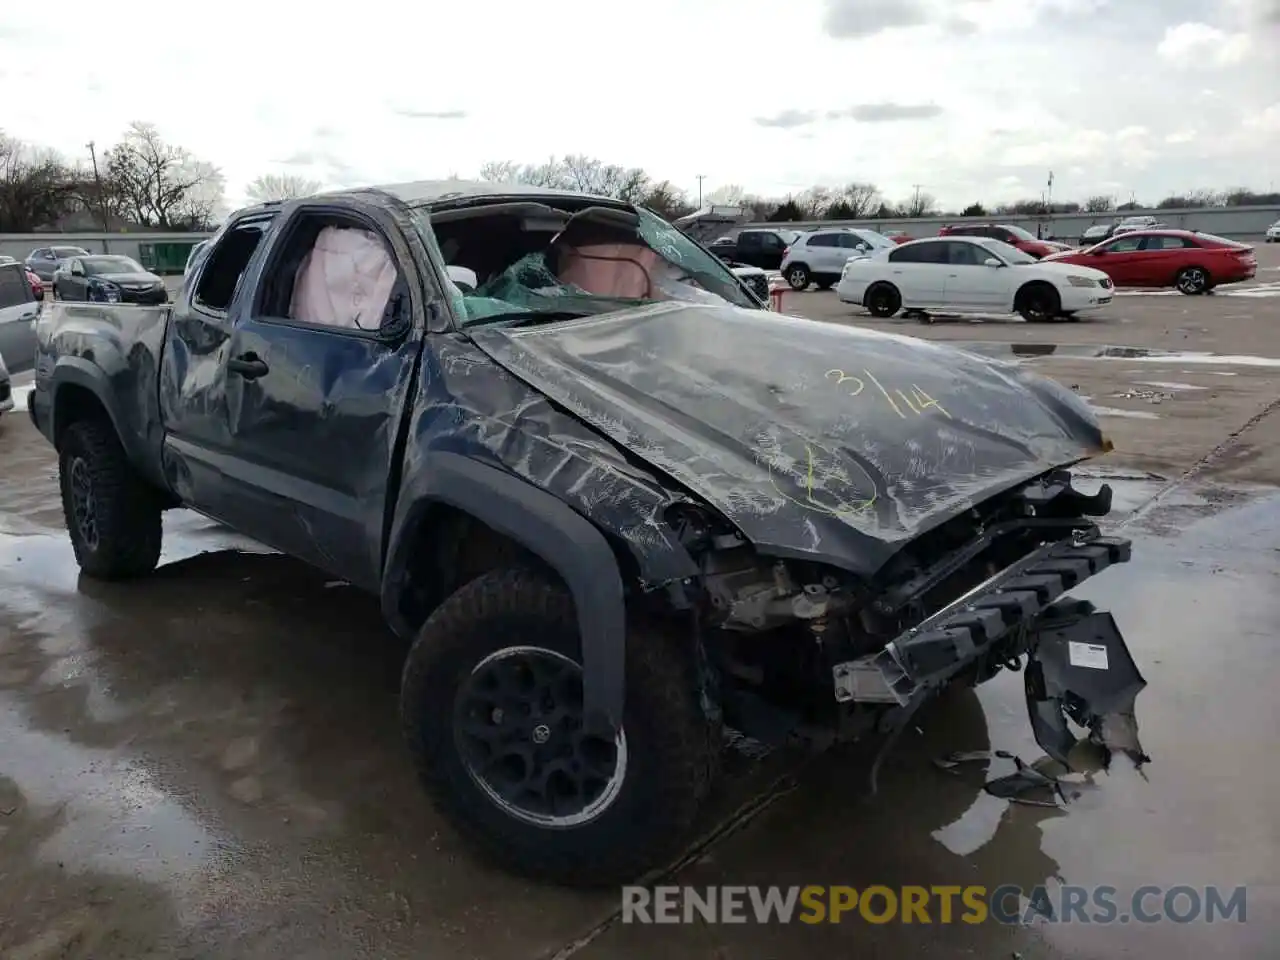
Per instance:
(302,452)
(113,353)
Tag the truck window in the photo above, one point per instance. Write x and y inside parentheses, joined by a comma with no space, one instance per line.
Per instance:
(332,272)
(224,266)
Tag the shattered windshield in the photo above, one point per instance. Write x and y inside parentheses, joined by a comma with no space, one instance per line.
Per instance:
(594,266)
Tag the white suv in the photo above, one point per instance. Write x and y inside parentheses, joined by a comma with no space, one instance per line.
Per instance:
(819,257)
(1273,233)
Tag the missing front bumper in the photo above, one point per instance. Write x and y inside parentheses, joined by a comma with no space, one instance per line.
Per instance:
(1078,665)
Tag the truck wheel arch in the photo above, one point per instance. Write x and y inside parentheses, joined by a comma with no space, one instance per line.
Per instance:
(544,526)
(74,381)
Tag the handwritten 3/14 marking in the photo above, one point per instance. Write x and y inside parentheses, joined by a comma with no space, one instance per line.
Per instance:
(917,401)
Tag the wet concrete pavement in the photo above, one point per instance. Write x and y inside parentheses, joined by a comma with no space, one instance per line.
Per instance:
(207,764)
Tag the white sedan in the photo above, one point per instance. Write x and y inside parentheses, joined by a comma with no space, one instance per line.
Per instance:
(971,275)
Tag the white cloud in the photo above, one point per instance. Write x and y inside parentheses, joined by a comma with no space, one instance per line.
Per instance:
(1191,44)
(972,99)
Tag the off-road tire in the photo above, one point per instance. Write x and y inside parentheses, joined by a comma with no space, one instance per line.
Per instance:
(1193,281)
(1038,302)
(798,277)
(672,748)
(882,300)
(126,508)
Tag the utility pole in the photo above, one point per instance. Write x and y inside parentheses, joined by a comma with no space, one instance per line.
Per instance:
(97,183)
(915,199)
(701,177)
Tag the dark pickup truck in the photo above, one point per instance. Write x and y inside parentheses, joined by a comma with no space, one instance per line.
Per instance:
(765,249)
(616,503)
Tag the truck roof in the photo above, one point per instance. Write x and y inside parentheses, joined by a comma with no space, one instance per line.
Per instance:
(419,192)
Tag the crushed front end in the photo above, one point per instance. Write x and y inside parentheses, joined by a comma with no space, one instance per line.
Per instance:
(803,650)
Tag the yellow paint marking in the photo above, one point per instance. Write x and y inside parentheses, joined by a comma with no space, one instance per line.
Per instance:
(927,401)
(896,408)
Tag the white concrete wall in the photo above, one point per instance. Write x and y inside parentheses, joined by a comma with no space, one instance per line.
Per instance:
(124,244)
(1238,223)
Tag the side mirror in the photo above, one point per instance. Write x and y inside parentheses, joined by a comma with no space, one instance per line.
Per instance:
(77,270)
(464,278)
(1098,252)
(862,248)
(992,262)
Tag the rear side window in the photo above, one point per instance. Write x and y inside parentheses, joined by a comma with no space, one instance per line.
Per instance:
(14,288)
(226,264)
(1166,243)
(1213,238)
(823,240)
(961,254)
(931,252)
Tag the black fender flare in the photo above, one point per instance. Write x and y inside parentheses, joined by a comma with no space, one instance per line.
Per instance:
(549,529)
(79,372)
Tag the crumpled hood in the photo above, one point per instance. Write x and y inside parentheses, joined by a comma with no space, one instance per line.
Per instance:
(817,440)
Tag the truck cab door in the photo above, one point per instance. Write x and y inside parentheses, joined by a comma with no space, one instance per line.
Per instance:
(320,367)
(196,446)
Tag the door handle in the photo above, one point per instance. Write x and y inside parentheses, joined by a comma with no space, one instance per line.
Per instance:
(248,365)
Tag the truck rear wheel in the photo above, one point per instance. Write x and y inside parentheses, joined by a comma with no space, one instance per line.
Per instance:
(112,514)
(491,707)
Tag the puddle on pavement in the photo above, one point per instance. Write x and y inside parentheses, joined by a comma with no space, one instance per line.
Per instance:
(136,790)
(1126,414)
(1081,351)
(1195,607)
(1173,385)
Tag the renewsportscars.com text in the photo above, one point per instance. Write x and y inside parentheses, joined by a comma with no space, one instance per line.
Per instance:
(937,904)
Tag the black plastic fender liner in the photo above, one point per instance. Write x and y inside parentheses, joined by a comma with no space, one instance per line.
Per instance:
(1081,669)
(79,372)
(546,527)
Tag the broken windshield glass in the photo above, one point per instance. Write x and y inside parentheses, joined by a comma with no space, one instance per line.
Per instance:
(598,264)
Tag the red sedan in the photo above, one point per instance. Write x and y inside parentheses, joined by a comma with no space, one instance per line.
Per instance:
(1192,262)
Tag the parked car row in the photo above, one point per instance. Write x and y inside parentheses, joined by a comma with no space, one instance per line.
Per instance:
(963,274)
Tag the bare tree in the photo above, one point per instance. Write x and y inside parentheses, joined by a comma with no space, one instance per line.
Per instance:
(730,195)
(919,205)
(36,186)
(204,204)
(668,201)
(861,199)
(280,186)
(1100,203)
(815,202)
(152,178)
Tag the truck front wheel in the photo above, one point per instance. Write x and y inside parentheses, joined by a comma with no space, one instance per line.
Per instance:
(112,514)
(491,706)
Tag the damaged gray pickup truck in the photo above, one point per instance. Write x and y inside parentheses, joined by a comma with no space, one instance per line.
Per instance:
(616,504)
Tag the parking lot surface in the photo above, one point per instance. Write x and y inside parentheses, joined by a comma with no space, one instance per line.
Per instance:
(207,763)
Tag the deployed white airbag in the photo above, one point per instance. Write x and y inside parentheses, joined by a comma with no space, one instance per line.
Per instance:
(345,281)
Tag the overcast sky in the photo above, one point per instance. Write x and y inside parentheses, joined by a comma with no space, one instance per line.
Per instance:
(970,99)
